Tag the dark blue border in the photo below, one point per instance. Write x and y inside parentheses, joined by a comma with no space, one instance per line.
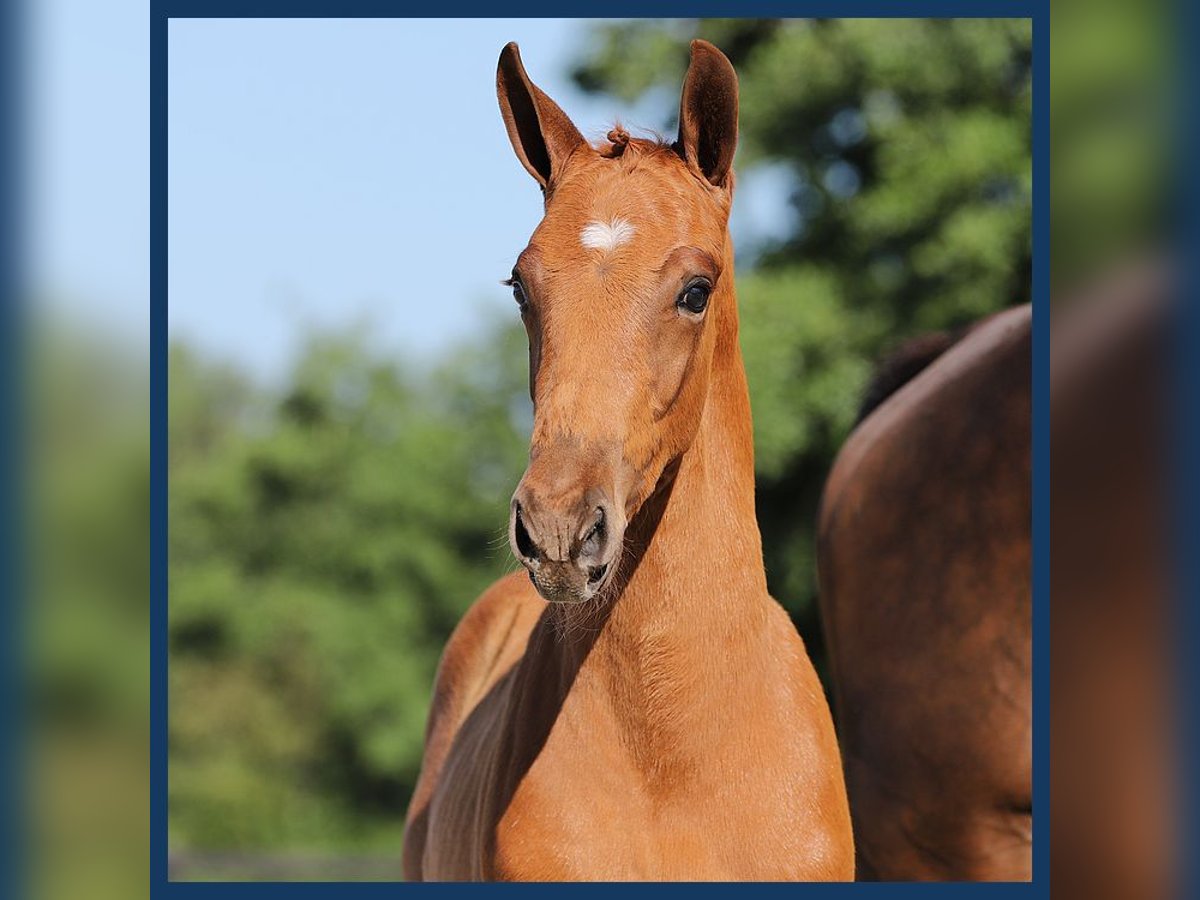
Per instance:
(158,449)
(1041,450)
(846,9)
(13,505)
(1184,441)
(162,10)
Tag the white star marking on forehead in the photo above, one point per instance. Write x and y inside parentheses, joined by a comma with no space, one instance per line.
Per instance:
(606,235)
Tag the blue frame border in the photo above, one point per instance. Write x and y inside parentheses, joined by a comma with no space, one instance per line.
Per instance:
(163,10)
(1184,440)
(14,368)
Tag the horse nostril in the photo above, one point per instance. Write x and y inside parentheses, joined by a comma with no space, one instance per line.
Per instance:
(595,534)
(525,545)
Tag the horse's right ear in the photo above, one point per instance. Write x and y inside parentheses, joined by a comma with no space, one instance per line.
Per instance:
(541,134)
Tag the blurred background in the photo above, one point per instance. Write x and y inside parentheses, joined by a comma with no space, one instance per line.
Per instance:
(349,405)
(347,379)
(83,190)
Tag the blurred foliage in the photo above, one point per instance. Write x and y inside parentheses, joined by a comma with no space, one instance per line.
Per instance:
(87,499)
(323,545)
(1113,117)
(326,537)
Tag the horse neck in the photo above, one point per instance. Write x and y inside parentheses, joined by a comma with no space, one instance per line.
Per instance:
(679,636)
(707,537)
(705,551)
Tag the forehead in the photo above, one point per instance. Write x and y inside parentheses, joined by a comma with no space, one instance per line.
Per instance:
(627,211)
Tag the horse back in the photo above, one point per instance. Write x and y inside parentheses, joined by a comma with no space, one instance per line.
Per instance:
(924,560)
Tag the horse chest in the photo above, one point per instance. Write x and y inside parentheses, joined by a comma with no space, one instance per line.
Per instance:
(579,813)
(595,817)
(614,837)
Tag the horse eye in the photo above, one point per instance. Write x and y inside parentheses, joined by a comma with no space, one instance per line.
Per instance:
(518,290)
(695,297)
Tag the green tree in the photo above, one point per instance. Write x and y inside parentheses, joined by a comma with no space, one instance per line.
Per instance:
(322,549)
(83,559)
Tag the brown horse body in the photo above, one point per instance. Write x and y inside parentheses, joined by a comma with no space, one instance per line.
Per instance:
(1115,778)
(660,718)
(924,558)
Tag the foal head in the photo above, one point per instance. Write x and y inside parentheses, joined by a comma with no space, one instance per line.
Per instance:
(625,290)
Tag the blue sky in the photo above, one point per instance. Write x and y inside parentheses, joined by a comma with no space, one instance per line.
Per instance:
(323,174)
(87,191)
(347,172)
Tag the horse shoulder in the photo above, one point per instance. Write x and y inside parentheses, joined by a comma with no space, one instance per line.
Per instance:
(814,791)
(487,642)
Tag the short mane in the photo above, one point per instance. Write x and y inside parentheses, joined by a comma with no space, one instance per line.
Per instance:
(619,142)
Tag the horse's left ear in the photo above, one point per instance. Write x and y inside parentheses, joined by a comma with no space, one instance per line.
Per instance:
(708,113)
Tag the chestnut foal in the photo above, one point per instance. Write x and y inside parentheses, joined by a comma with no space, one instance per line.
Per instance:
(659,717)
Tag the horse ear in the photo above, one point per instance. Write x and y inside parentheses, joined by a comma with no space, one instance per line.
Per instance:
(542,136)
(708,113)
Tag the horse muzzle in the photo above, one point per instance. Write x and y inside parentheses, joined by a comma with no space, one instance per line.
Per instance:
(569,544)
